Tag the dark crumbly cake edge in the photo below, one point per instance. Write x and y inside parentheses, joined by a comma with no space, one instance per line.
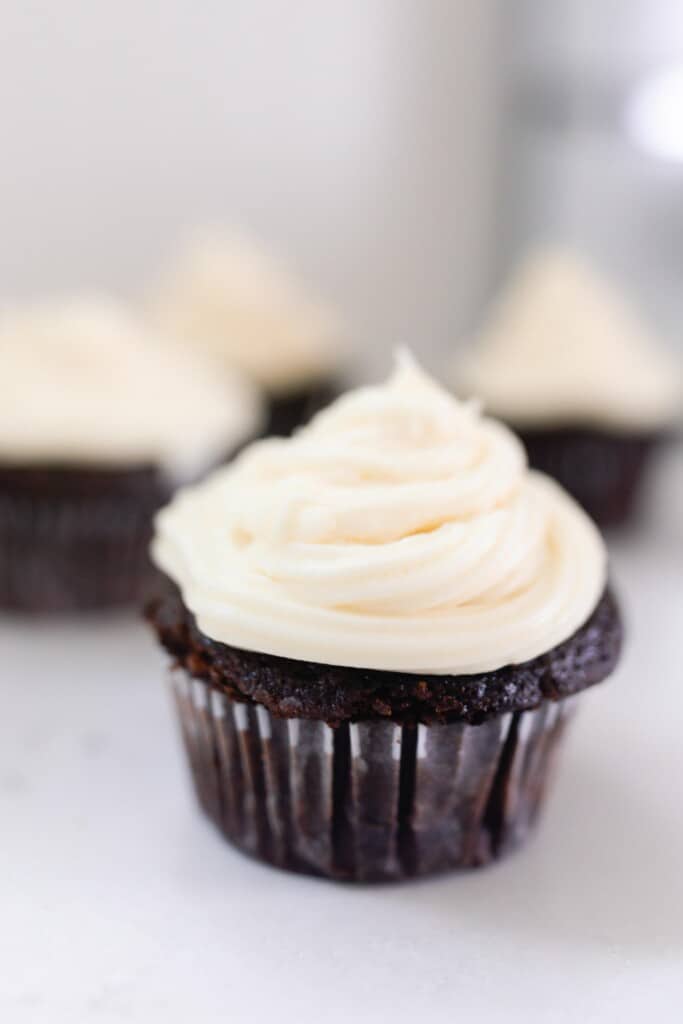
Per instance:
(300,689)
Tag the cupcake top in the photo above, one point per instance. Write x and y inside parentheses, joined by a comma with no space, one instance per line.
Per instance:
(399,530)
(81,381)
(231,296)
(562,348)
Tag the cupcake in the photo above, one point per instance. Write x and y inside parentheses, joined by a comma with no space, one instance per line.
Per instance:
(233,298)
(378,630)
(99,422)
(568,365)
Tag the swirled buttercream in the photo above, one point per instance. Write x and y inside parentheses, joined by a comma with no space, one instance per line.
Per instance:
(399,530)
(561,347)
(81,381)
(236,300)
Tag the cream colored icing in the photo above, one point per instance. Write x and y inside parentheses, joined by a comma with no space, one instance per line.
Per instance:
(399,530)
(83,381)
(561,347)
(234,298)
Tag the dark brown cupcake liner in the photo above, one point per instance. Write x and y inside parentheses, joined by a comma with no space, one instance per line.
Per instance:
(366,801)
(288,411)
(603,471)
(76,539)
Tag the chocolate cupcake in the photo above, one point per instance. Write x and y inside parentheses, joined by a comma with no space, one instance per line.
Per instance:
(379,629)
(234,299)
(100,421)
(570,368)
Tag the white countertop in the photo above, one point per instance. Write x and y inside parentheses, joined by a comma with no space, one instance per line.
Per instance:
(118,902)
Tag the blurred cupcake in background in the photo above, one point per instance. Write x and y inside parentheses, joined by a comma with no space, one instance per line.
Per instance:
(568,364)
(100,421)
(231,297)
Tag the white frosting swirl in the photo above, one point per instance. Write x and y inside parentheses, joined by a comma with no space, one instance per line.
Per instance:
(561,347)
(81,381)
(399,530)
(232,297)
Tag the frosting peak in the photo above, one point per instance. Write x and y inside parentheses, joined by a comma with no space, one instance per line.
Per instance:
(397,459)
(399,530)
(234,298)
(561,346)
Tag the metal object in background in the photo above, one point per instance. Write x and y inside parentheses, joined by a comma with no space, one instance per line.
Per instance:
(595,140)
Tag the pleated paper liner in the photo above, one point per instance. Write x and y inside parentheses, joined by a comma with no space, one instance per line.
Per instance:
(288,411)
(76,543)
(602,471)
(368,801)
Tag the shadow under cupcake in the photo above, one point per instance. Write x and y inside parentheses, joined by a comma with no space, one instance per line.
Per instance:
(99,423)
(378,630)
(569,366)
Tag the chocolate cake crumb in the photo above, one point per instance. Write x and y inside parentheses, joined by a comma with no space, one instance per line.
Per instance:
(334,694)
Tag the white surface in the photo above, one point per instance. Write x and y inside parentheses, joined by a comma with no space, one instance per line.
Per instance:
(118,902)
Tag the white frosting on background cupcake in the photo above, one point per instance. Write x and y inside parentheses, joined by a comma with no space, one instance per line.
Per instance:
(83,382)
(562,348)
(399,530)
(232,297)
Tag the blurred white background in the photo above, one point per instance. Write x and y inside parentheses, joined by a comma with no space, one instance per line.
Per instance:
(356,135)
